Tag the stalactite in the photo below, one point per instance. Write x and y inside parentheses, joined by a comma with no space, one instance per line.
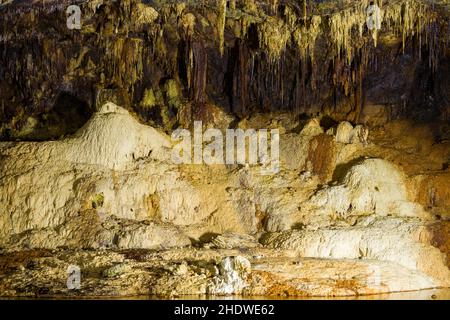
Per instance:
(291,17)
(199,71)
(407,17)
(305,37)
(274,6)
(242,82)
(187,23)
(304,10)
(341,26)
(233,4)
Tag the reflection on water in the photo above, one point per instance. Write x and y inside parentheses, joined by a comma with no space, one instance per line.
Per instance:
(433,294)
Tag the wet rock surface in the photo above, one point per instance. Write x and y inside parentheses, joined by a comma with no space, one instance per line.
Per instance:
(359,206)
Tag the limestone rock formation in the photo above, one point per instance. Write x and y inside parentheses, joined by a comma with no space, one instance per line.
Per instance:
(373,186)
(345,133)
(112,138)
(120,191)
(232,241)
(402,241)
(89,186)
(232,276)
(360,203)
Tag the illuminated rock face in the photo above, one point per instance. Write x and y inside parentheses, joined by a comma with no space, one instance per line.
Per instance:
(401,241)
(112,186)
(373,186)
(90,179)
(232,276)
(113,139)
